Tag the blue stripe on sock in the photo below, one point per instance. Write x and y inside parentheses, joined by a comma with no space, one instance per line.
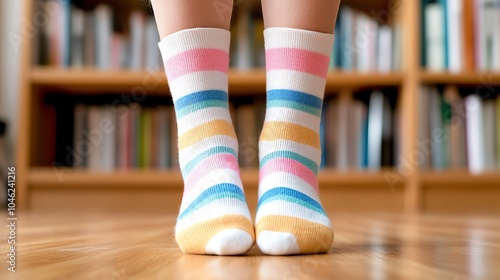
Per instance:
(290,195)
(200,105)
(293,105)
(296,96)
(291,155)
(219,191)
(212,151)
(200,96)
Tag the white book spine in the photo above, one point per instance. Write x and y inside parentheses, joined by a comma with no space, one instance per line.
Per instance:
(475,146)
(362,43)
(375,117)
(384,56)
(244,52)
(346,50)
(104,30)
(136,40)
(435,37)
(152,50)
(455,32)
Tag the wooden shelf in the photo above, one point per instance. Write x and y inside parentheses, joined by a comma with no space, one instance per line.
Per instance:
(93,81)
(242,82)
(47,177)
(362,80)
(464,78)
(459,178)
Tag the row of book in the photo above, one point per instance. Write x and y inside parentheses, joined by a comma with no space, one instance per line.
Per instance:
(122,137)
(360,133)
(363,44)
(461,131)
(73,37)
(98,136)
(461,35)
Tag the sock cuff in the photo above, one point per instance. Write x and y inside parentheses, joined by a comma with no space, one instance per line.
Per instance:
(194,38)
(284,37)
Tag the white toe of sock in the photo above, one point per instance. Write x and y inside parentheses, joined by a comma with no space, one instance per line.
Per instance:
(277,243)
(229,242)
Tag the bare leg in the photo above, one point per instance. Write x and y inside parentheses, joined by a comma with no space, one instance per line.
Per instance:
(316,15)
(175,15)
(298,40)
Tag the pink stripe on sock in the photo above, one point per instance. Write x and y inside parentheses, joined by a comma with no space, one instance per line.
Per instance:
(196,60)
(211,163)
(289,166)
(298,60)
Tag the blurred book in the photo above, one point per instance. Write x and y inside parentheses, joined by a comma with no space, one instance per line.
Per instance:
(103,36)
(458,132)
(475,133)
(461,35)
(375,129)
(457,144)
(363,44)
(91,134)
(107,137)
(358,136)
(434,37)
(87,38)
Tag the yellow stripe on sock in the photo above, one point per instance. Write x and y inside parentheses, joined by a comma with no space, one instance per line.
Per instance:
(289,131)
(194,239)
(311,237)
(209,129)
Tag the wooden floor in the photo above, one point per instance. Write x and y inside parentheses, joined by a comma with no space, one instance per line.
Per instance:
(141,246)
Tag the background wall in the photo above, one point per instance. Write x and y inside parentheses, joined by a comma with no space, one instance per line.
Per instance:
(10,23)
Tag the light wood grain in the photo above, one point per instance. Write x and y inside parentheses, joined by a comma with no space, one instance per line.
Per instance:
(135,245)
(167,200)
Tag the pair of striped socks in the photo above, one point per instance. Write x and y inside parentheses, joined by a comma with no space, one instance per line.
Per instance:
(214,216)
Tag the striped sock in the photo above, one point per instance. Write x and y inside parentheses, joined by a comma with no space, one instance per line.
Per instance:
(290,218)
(214,216)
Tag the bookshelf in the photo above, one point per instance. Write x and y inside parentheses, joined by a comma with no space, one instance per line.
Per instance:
(389,189)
